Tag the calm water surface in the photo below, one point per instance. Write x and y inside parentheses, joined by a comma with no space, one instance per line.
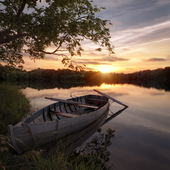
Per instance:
(142,131)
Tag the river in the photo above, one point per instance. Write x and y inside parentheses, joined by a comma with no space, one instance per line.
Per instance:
(142,131)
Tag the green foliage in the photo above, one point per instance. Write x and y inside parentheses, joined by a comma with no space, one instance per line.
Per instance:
(10,73)
(33,26)
(13,106)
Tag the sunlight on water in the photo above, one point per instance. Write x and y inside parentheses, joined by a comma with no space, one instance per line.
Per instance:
(105,86)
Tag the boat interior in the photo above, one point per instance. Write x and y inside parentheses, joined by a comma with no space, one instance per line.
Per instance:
(71,108)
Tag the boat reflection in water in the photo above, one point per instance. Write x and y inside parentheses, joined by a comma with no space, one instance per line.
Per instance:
(76,139)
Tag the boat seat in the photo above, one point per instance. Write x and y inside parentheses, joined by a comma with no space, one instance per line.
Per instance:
(63,114)
(96,100)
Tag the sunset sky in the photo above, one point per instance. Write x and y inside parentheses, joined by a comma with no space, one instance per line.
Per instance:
(140,35)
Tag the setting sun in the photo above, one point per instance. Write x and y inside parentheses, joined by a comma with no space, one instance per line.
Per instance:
(105,70)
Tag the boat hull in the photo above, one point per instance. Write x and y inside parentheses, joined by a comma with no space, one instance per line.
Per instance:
(28,134)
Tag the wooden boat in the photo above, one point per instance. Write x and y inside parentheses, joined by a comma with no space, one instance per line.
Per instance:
(56,121)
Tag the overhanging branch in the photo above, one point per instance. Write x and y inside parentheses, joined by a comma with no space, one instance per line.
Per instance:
(13,37)
(21,8)
(54,52)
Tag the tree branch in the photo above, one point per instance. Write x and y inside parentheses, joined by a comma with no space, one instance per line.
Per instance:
(21,8)
(57,49)
(13,37)
(5,32)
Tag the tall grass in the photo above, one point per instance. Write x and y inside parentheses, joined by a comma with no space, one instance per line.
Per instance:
(13,106)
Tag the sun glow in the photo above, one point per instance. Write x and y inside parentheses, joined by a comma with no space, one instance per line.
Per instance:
(105,70)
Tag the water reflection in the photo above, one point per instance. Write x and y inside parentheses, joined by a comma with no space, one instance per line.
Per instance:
(113,115)
(140,148)
(144,126)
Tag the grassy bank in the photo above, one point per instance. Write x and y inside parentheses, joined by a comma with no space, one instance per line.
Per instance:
(13,106)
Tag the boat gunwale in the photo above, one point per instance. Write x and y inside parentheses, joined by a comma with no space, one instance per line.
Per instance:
(42,111)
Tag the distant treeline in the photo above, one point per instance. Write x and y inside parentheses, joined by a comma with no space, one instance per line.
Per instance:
(159,78)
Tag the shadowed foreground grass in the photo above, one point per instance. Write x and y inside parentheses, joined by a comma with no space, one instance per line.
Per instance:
(94,156)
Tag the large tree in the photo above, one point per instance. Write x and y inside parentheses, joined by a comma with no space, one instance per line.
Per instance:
(26,26)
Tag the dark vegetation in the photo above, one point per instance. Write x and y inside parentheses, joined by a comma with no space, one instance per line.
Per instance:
(159,78)
(65,78)
(13,106)
(95,155)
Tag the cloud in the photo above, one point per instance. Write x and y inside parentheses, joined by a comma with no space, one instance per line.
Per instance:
(133,12)
(155,60)
(88,62)
(162,2)
(129,69)
(52,58)
(89,69)
(132,36)
(97,54)
(113,59)
(101,61)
